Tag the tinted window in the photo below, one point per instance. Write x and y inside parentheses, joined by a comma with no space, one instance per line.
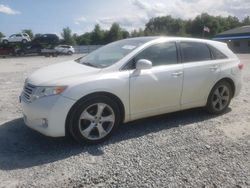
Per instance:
(237,44)
(159,54)
(194,51)
(18,35)
(216,53)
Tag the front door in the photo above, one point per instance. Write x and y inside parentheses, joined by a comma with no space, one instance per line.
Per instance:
(157,90)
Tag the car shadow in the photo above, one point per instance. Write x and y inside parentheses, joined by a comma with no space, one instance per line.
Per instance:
(21,147)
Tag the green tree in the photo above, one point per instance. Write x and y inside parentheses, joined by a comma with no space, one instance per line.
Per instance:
(115,33)
(29,32)
(246,21)
(125,34)
(67,36)
(165,25)
(84,39)
(138,33)
(1,35)
(97,35)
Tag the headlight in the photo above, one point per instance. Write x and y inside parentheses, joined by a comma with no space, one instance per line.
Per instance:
(47,91)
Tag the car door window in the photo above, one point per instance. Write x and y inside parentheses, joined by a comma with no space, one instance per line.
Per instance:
(194,51)
(158,54)
(217,54)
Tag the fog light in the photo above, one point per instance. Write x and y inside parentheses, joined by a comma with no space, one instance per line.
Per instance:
(44,123)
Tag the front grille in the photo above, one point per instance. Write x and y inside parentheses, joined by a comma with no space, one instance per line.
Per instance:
(28,90)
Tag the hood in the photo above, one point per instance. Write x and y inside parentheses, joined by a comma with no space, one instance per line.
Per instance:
(60,73)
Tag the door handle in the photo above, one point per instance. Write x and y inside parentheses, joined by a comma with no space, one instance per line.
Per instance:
(177,74)
(214,68)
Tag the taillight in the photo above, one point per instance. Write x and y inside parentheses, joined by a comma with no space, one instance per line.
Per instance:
(241,66)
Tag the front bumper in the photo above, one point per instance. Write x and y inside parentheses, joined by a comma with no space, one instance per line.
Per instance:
(47,115)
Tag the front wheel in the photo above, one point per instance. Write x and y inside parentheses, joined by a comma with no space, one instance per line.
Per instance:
(219,98)
(24,41)
(5,42)
(94,120)
(70,53)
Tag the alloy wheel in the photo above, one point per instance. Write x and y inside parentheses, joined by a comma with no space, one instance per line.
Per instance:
(220,98)
(96,121)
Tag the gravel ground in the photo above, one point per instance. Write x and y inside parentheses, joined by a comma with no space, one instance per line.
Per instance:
(183,149)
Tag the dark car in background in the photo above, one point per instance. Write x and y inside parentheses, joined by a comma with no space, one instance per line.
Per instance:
(30,49)
(46,39)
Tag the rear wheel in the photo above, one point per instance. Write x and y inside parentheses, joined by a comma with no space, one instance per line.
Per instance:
(219,98)
(94,120)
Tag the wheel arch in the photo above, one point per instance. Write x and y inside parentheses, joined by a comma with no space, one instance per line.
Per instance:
(93,95)
(228,80)
(231,82)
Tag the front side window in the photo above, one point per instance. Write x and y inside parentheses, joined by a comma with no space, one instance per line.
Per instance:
(194,51)
(18,35)
(159,54)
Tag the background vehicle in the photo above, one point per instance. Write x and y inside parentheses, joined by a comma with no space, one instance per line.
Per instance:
(128,80)
(46,39)
(49,52)
(7,50)
(21,37)
(65,49)
(30,49)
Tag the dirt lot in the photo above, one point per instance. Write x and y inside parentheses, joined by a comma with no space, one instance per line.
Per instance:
(184,149)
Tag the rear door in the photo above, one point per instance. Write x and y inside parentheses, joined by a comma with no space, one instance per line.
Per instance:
(200,73)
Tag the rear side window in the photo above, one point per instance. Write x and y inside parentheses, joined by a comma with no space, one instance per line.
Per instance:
(160,54)
(217,54)
(194,51)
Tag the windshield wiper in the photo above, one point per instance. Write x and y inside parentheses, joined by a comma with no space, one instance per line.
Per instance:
(90,64)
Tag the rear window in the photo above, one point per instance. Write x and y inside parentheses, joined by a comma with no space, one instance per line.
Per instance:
(194,51)
(217,54)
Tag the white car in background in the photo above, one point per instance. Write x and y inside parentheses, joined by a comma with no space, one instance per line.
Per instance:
(127,80)
(65,49)
(20,37)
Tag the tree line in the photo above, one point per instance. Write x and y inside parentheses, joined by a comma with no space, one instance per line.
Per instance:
(164,25)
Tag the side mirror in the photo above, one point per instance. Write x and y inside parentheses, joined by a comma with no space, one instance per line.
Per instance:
(142,64)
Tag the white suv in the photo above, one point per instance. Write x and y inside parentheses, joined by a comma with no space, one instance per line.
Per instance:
(65,49)
(21,37)
(127,80)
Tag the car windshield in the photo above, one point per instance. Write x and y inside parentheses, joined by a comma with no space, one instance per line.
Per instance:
(112,53)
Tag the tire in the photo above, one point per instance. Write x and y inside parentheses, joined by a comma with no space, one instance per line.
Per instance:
(219,98)
(5,42)
(54,54)
(94,119)
(70,53)
(24,41)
